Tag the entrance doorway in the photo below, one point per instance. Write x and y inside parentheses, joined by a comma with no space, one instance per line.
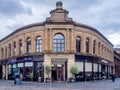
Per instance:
(59,70)
(0,72)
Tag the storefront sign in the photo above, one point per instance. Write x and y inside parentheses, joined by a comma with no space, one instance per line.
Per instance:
(13,60)
(14,65)
(28,58)
(20,64)
(28,64)
(104,61)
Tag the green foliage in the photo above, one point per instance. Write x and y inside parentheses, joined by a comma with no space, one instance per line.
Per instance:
(74,70)
(48,70)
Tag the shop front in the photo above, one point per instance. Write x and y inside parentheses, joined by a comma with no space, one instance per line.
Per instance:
(91,68)
(31,67)
(59,69)
(1,70)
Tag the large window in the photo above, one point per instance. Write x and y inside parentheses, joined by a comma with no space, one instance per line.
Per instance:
(38,44)
(28,45)
(94,46)
(78,44)
(59,44)
(87,45)
(20,47)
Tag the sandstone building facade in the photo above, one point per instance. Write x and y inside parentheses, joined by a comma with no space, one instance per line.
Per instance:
(60,43)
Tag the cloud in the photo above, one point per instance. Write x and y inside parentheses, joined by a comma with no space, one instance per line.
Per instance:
(103,15)
(11,8)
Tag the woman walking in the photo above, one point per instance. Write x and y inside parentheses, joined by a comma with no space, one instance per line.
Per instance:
(21,77)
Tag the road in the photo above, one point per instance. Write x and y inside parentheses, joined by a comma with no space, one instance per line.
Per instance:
(90,85)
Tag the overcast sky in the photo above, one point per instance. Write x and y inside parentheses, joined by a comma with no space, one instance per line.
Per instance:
(104,15)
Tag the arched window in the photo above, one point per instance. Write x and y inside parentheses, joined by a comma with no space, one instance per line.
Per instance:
(20,47)
(94,46)
(2,52)
(39,44)
(9,50)
(87,45)
(28,45)
(59,44)
(99,48)
(78,44)
(14,44)
(6,51)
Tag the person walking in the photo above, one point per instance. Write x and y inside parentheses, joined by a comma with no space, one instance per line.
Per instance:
(113,77)
(20,79)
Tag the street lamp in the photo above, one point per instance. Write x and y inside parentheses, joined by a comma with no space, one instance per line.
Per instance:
(85,71)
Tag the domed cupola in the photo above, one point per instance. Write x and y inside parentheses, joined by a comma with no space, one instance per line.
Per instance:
(59,14)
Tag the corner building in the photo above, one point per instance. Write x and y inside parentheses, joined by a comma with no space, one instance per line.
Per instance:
(60,43)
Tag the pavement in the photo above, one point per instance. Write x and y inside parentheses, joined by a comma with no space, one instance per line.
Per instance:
(89,85)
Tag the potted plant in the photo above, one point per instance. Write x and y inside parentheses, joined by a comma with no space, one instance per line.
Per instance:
(48,70)
(31,76)
(73,70)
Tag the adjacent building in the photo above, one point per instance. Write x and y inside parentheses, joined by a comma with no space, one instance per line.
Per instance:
(60,43)
(117,63)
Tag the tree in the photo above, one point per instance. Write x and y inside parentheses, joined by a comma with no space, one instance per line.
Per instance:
(47,70)
(73,70)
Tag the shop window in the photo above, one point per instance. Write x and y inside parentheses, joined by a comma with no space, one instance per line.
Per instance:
(38,44)
(28,45)
(59,44)
(94,46)
(28,71)
(87,45)
(78,44)
(20,47)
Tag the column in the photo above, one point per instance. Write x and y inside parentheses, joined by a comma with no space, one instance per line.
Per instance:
(72,45)
(68,40)
(46,43)
(51,40)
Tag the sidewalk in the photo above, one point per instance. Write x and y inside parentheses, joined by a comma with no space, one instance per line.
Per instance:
(90,85)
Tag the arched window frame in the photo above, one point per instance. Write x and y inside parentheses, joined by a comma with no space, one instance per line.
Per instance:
(9,50)
(99,45)
(28,45)
(87,45)
(94,47)
(2,52)
(59,42)
(20,47)
(14,51)
(6,51)
(38,44)
(78,44)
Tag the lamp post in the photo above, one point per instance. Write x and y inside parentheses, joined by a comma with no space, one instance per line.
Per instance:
(85,72)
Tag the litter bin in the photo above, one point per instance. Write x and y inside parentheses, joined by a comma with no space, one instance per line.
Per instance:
(39,79)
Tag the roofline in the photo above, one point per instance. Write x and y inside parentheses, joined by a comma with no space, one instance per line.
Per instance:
(91,28)
(46,22)
(22,28)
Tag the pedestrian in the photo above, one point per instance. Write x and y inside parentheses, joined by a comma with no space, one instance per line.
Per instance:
(20,79)
(113,77)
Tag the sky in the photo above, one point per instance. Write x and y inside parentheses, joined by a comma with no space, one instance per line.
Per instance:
(104,15)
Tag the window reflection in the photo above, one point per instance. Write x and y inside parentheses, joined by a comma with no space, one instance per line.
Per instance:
(38,44)
(59,43)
